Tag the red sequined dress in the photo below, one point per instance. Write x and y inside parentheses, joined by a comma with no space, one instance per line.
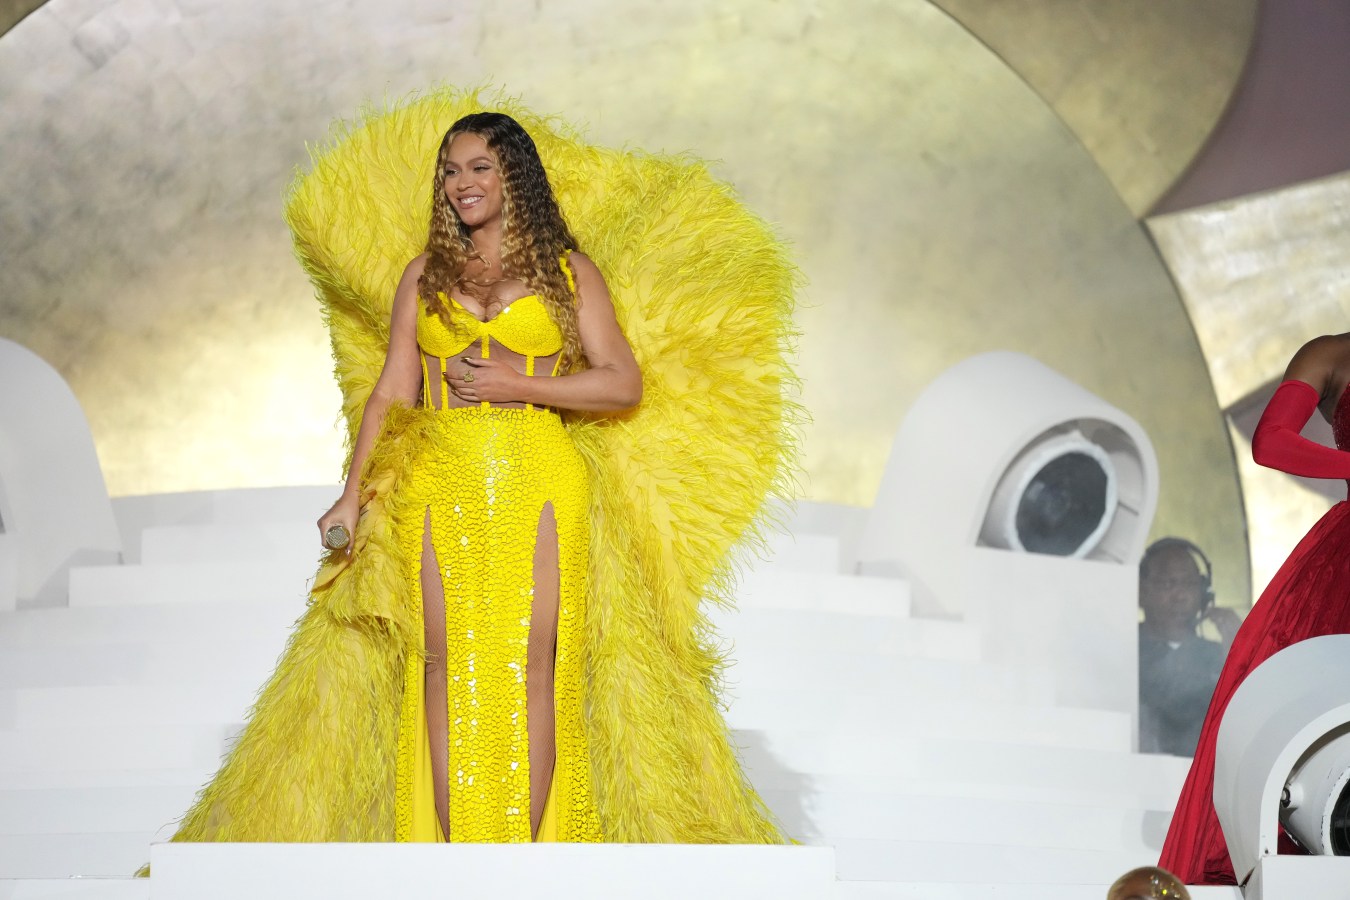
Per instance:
(1308,597)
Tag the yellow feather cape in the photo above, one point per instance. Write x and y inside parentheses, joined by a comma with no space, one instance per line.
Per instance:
(681,489)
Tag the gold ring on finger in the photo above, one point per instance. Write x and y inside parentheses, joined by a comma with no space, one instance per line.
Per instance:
(468,376)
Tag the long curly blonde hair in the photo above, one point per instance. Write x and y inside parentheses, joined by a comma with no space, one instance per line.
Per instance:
(534,234)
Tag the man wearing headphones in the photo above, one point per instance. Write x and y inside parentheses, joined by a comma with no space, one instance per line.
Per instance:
(1178,668)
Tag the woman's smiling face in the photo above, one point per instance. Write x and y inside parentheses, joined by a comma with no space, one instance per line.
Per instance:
(473,182)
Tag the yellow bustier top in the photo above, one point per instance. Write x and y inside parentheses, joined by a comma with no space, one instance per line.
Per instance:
(523,326)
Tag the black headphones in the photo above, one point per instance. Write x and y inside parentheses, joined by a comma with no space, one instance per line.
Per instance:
(1207,571)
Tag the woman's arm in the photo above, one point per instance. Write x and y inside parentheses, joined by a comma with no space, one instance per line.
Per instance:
(399,380)
(612,382)
(1276,442)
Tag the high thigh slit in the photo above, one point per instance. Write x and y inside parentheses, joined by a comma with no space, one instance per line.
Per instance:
(543,639)
(435,703)
(540,711)
(504,535)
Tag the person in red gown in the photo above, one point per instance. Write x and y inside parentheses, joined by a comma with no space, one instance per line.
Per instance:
(1308,597)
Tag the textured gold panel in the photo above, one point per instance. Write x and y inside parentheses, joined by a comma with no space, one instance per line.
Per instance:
(938,206)
(1142,83)
(1261,275)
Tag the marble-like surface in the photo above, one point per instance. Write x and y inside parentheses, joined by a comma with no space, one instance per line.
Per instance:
(1141,83)
(938,207)
(1260,276)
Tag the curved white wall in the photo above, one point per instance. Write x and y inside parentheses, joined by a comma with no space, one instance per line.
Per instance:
(54,507)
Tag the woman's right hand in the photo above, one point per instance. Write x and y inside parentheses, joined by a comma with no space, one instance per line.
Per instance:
(344,512)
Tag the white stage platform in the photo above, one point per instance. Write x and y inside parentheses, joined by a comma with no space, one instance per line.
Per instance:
(908,763)
(566,872)
(1315,878)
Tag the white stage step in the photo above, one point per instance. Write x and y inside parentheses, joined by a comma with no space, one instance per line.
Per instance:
(204,656)
(883,890)
(102,855)
(204,702)
(97,779)
(261,536)
(812,816)
(770,588)
(109,749)
(973,861)
(74,889)
(232,542)
(112,613)
(829,817)
(804,631)
(803,552)
(202,582)
(887,679)
(273,522)
(114,801)
(188,703)
(909,712)
(144,663)
(870,750)
(555,871)
(788,761)
(1147,788)
(178,612)
(40,630)
(238,507)
(93,810)
(797,754)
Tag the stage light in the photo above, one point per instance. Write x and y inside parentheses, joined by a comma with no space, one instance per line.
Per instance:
(1283,757)
(1056,498)
(1019,501)
(1315,803)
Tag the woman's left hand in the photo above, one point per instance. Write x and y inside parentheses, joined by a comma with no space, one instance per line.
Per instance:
(493,381)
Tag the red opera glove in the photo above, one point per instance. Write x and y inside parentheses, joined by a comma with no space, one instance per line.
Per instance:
(1278,444)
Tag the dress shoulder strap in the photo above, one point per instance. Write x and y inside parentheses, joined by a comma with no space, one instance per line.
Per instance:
(565,262)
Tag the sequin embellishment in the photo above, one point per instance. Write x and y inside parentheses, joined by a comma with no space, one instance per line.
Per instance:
(485,478)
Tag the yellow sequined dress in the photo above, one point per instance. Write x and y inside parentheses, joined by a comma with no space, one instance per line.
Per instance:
(653,509)
(485,479)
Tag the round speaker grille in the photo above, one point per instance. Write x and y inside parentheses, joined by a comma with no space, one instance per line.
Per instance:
(1062,506)
(1058,497)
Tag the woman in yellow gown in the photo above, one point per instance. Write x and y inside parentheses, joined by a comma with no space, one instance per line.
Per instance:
(489,329)
(513,646)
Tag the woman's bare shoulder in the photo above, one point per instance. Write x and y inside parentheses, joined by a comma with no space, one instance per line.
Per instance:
(590,281)
(1320,361)
(406,294)
(416,265)
(583,265)
(1325,349)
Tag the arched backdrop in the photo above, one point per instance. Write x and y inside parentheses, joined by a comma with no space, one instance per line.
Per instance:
(922,167)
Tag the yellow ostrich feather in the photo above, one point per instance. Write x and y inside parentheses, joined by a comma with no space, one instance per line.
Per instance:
(682,488)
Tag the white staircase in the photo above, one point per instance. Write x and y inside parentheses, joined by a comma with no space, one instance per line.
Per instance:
(930,772)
